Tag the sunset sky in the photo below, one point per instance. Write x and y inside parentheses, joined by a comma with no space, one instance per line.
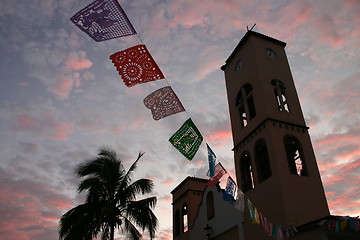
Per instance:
(61,98)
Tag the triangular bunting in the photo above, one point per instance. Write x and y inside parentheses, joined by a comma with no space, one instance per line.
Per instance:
(135,65)
(187,139)
(163,102)
(103,20)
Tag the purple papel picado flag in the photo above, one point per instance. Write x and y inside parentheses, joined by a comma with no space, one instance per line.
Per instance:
(103,20)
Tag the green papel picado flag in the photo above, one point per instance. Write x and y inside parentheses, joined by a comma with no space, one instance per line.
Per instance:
(187,139)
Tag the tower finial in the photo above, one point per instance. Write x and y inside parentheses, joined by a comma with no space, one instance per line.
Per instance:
(247,28)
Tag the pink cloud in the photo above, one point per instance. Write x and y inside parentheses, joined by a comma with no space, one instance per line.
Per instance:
(29,209)
(336,139)
(166,198)
(62,130)
(332,180)
(168,182)
(63,86)
(23,84)
(164,234)
(329,31)
(217,138)
(77,61)
(137,123)
(58,70)
(117,128)
(44,124)
(346,204)
(26,122)
(208,16)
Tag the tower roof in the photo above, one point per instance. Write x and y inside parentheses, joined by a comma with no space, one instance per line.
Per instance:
(189,179)
(244,39)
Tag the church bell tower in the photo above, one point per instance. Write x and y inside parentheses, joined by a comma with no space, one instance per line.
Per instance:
(274,159)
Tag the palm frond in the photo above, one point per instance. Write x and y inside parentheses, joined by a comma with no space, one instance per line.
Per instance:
(105,232)
(79,221)
(89,167)
(105,158)
(125,181)
(89,184)
(131,230)
(142,186)
(140,212)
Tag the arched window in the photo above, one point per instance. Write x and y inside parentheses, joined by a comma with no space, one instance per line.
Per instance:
(263,168)
(210,205)
(177,222)
(245,105)
(295,156)
(184,213)
(280,95)
(246,171)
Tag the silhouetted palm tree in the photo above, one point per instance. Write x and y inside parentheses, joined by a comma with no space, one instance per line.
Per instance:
(111,202)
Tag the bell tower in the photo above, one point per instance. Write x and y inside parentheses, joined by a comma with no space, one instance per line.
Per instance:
(274,159)
(187,197)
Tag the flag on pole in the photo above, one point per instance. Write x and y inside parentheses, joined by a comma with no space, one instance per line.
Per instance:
(103,20)
(187,139)
(135,65)
(163,102)
(219,172)
(212,160)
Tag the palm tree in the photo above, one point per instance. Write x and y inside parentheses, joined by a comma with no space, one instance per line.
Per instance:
(110,203)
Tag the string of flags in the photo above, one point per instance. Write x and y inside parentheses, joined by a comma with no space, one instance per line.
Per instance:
(270,229)
(335,224)
(104,20)
(339,224)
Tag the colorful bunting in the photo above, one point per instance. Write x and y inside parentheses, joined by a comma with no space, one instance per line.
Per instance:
(219,172)
(212,160)
(103,20)
(163,102)
(270,229)
(187,139)
(343,224)
(135,65)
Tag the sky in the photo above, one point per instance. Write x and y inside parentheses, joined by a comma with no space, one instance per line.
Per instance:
(61,99)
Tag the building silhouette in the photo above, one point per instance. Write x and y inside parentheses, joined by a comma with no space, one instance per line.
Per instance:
(274,159)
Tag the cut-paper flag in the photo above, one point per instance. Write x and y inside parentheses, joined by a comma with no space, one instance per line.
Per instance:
(163,102)
(212,160)
(135,65)
(187,139)
(219,172)
(229,193)
(240,200)
(103,20)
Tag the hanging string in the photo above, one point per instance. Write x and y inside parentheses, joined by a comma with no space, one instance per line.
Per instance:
(168,83)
